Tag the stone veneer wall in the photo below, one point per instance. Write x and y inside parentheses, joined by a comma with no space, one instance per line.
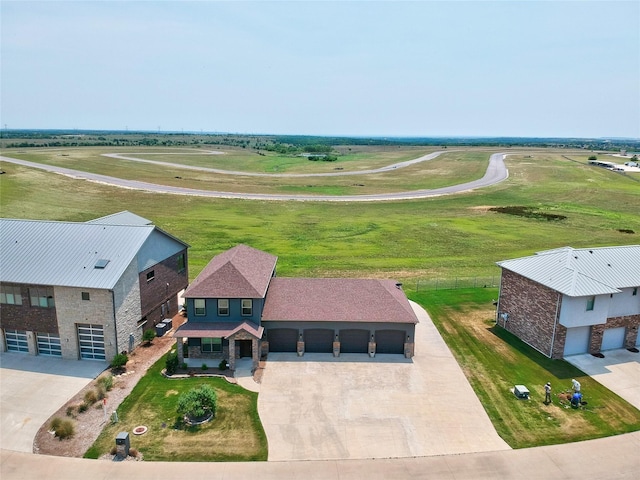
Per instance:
(532,310)
(127,308)
(72,310)
(631,322)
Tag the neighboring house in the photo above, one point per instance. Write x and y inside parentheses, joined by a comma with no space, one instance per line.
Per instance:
(237,307)
(569,301)
(86,290)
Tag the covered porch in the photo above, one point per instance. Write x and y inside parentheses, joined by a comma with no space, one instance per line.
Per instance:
(218,341)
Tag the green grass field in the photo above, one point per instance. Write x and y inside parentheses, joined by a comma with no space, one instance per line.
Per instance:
(494,361)
(407,240)
(235,434)
(443,237)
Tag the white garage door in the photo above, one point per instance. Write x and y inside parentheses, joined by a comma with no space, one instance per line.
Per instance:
(577,340)
(49,345)
(91,341)
(613,338)
(16,341)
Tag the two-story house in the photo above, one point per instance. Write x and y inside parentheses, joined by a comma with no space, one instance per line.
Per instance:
(237,307)
(570,301)
(86,290)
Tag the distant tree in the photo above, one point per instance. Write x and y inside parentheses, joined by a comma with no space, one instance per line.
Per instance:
(593,157)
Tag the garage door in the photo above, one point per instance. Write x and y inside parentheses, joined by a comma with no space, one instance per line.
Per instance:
(91,342)
(613,338)
(16,341)
(282,339)
(318,340)
(354,341)
(49,345)
(577,340)
(390,341)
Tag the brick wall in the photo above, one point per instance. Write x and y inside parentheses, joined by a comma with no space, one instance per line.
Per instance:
(532,310)
(166,284)
(630,322)
(28,318)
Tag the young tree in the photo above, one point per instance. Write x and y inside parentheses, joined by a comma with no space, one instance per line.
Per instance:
(198,403)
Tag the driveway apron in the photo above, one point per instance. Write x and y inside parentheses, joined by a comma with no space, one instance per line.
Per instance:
(355,407)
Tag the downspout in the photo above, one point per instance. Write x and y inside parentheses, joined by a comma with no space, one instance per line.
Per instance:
(555,323)
(115,324)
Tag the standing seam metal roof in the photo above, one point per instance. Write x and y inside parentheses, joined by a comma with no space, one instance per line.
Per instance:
(581,272)
(65,253)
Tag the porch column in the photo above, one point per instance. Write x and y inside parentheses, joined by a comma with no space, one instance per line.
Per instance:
(179,349)
(232,353)
(255,353)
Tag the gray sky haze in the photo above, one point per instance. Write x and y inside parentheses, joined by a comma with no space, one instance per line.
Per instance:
(387,68)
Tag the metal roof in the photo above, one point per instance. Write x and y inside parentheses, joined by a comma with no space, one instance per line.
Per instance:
(70,253)
(579,272)
(122,218)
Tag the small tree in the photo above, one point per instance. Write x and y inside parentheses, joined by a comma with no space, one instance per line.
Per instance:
(593,157)
(149,335)
(119,361)
(198,403)
(171,363)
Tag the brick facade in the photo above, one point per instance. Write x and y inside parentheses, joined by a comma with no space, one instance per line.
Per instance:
(532,312)
(28,318)
(158,297)
(631,324)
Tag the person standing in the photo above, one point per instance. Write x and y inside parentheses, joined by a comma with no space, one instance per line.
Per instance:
(547,393)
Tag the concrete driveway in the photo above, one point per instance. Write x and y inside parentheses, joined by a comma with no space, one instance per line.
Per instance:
(32,389)
(353,407)
(619,371)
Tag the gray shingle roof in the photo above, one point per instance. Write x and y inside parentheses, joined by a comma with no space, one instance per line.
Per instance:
(337,299)
(66,253)
(241,272)
(579,272)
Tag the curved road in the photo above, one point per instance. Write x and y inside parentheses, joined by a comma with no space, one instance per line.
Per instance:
(496,172)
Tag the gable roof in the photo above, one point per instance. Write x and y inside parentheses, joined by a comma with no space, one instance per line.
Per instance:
(579,272)
(337,299)
(69,253)
(122,218)
(241,272)
(217,329)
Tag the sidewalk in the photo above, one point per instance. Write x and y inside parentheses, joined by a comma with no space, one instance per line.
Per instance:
(612,458)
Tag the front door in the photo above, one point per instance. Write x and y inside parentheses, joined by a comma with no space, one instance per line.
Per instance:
(244,347)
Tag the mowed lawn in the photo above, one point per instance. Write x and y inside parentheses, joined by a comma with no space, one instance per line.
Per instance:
(494,361)
(235,434)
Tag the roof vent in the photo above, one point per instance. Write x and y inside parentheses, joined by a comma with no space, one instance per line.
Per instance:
(101,263)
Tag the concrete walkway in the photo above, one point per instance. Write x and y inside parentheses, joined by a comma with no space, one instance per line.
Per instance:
(33,388)
(612,458)
(619,371)
(355,407)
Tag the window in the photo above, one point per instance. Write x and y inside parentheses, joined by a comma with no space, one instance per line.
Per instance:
(85,296)
(211,345)
(151,275)
(41,297)
(142,322)
(635,291)
(223,307)
(590,303)
(199,307)
(247,306)
(181,263)
(10,295)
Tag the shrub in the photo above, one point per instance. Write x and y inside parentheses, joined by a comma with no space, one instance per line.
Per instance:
(90,397)
(106,382)
(223,365)
(204,366)
(63,428)
(113,450)
(149,335)
(184,366)
(592,157)
(198,402)
(171,363)
(133,452)
(71,411)
(83,407)
(119,361)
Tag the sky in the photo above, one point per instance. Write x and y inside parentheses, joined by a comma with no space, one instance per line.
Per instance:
(346,68)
